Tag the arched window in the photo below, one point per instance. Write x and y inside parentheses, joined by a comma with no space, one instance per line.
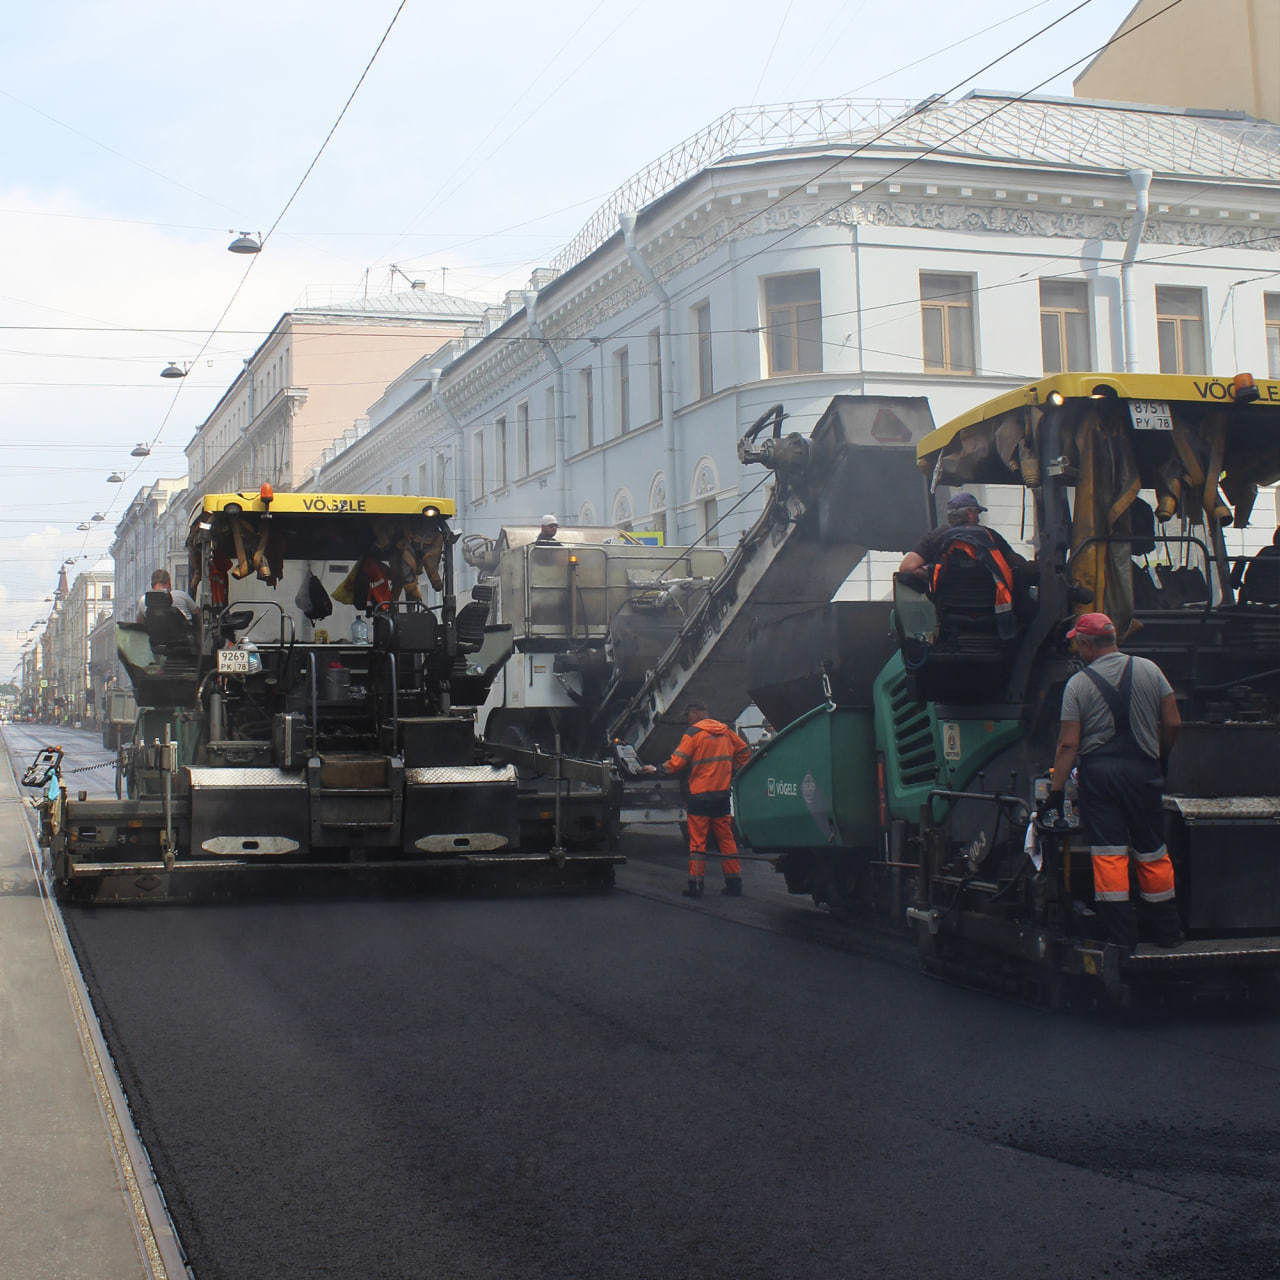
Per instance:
(623,513)
(586,514)
(658,494)
(706,479)
(706,485)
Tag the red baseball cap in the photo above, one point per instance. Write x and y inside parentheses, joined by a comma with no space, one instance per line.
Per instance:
(1092,624)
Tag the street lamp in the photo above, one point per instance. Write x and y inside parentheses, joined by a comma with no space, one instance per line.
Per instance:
(139,450)
(97,517)
(115,478)
(174,370)
(245,243)
(82,527)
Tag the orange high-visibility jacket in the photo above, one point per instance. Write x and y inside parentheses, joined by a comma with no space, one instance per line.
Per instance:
(710,751)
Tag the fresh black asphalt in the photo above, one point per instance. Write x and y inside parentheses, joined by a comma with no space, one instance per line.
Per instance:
(622,1085)
(613,1086)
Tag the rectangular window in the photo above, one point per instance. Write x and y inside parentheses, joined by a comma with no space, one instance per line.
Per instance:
(524,447)
(946,309)
(708,514)
(655,374)
(793,323)
(1271,309)
(622,388)
(549,427)
(1180,329)
(424,483)
(587,408)
(1064,325)
(477,465)
(106,593)
(404,483)
(702,332)
(444,478)
(500,453)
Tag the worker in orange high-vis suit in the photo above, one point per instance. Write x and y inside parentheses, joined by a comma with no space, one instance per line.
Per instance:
(1119,721)
(711,751)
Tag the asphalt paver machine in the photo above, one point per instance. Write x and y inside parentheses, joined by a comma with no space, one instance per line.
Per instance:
(907,793)
(319,712)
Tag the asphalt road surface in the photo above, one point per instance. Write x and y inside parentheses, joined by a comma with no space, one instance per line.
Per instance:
(633,1085)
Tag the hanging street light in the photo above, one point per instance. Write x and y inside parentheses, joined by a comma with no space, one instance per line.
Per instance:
(82,527)
(139,451)
(174,370)
(245,243)
(97,516)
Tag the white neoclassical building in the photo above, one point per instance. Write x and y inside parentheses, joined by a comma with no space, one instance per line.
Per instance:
(788,254)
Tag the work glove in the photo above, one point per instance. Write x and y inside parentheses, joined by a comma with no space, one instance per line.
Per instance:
(1053,812)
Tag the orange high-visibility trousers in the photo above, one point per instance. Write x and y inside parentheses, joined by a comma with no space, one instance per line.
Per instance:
(722,829)
(1111,873)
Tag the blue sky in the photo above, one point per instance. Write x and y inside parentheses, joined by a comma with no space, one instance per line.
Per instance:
(135,135)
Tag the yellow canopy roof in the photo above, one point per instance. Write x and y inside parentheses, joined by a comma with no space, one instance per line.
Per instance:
(1167,387)
(329,504)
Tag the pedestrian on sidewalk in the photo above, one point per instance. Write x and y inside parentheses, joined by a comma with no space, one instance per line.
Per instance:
(711,752)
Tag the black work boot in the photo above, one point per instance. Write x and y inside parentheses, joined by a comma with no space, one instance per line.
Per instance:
(732,887)
(694,889)
(1160,922)
(1120,921)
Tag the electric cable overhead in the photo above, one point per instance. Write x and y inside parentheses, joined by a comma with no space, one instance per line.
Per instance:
(440,193)
(271,230)
(773,48)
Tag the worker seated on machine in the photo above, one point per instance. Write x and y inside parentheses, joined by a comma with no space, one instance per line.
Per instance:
(170,617)
(1258,579)
(967,570)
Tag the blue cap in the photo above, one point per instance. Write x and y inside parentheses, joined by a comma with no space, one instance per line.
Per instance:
(964,502)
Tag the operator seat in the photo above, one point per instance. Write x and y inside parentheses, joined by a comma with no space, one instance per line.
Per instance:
(168,629)
(962,657)
(470,619)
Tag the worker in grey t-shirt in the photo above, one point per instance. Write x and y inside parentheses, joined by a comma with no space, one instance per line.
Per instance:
(1119,718)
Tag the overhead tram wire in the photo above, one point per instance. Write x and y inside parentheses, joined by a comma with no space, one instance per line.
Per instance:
(613,31)
(924,106)
(919,109)
(955,44)
(440,193)
(1264,237)
(293,195)
(270,231)
(773,48)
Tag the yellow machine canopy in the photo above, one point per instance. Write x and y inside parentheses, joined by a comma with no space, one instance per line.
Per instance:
(357,546)
(322,504)
(1198,448)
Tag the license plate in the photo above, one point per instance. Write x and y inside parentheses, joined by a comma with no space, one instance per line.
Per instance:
(1150,415)
(233,662)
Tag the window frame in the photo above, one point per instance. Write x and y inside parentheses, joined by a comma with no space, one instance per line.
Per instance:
(586,406)
(702,348)
(1177,321)
(478,478)
(782,316)
(655,374)
(549,427)
(946,305)
(622,389)
(500,452)
(1271,332)
(524,443)
(1059,315)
